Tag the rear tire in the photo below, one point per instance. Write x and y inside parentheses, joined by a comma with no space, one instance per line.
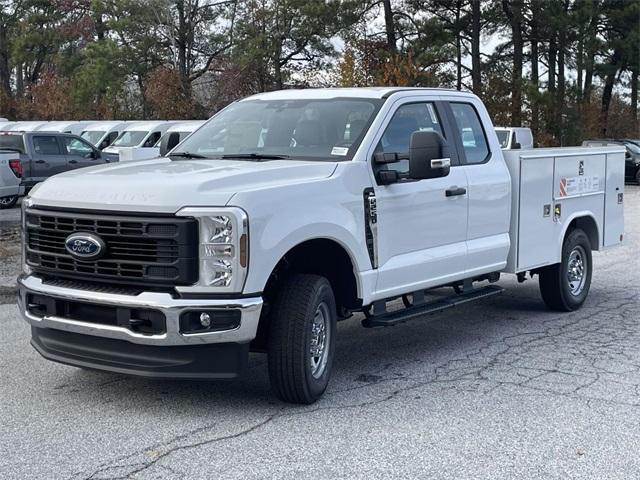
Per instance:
(301,340)
(8,202)
(565,285)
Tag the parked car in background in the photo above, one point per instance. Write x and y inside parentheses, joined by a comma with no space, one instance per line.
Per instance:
(172,137)
(5,126)
(138,135)
(177,133)
(10,179)
(103,134)
(29,126)
(75,128)
(632,157)
(43,154)
(514,137)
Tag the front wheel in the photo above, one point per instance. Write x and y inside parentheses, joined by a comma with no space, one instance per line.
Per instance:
(8,202)
(565,285)
(301,339)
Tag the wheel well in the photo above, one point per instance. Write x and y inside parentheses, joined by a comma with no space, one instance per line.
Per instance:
(587,225)
(321,257)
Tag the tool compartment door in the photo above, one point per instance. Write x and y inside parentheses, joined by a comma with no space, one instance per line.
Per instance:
(614,196)
(536,228)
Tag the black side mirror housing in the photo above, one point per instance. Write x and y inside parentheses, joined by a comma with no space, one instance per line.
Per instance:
(168,142)
(428,156)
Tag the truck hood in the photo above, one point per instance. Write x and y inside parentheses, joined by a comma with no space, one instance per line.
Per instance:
(163,185)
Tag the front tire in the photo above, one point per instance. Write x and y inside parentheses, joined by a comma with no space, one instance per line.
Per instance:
(565,285)
(301,340)
(8,202)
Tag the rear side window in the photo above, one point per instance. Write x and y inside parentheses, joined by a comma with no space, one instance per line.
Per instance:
(474,140)
(46,145)
(12,142)
(153,138)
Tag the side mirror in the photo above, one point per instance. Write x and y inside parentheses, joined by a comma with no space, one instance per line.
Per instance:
(95,154)
(428,156)
(168,142)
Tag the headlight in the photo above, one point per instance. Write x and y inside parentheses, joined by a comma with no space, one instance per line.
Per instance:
(223,250)
(26,203)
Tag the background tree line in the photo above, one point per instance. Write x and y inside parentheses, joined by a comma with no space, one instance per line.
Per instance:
(567,68)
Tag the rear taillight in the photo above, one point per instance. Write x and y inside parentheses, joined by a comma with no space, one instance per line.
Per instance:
(16,167)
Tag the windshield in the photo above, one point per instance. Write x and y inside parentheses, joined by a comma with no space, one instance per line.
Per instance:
(302,129)
(130,138)
(93,137)
(632,147)
(12,142)
(503,138)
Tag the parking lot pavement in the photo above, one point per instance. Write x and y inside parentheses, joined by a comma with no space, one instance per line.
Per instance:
(10,216)
(503,389)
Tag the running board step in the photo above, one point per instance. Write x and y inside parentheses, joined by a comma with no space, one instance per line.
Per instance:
(388,319)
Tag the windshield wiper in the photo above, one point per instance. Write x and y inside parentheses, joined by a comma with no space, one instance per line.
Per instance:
(187,155)
(255,156)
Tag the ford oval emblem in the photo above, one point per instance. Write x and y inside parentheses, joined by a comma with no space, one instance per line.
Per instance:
(84,246)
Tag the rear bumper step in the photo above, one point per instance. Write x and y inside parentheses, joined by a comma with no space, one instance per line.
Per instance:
(387,319)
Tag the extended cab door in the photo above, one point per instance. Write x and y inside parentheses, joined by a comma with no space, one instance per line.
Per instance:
(488,186)
(47,157)
(80,153)
(421,224)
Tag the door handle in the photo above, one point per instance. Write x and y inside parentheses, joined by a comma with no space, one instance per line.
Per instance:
(73,161)
(454,191)
(40,161)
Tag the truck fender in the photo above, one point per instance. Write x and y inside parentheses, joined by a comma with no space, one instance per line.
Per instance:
(587,222)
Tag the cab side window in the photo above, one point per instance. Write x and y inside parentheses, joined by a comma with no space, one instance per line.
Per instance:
(474,141)
(75,146)
(153,138)
(407,119)
(46,145)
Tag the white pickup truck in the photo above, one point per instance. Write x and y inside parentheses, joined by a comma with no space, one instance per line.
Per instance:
(290,210)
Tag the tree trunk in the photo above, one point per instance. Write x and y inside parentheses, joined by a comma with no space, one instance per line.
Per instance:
(580,67)
(389,26)
(19,81)
(535,73)
(513,10)
(553,52)
(458,48)
(634,92)
(5,73)
(607,92)
(560,100)
(476,74)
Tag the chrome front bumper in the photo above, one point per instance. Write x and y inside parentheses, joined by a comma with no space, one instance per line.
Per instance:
(171,307)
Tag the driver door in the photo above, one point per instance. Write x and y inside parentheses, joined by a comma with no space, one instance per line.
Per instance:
(80,153)
(421,228)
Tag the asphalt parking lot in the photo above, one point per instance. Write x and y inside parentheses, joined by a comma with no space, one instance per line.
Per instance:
(501,389)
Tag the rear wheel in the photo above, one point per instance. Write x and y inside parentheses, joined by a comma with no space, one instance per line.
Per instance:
(8,202)
(302,339)
(565,286)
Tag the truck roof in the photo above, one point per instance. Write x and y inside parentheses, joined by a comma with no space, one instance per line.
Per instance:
(146,125)
(101,125)
(359,92)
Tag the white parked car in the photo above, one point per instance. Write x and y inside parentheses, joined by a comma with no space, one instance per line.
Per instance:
(137,135)
(172,137)
(74,128)
(102,134)
(29,126)
(290,210)
(514,137)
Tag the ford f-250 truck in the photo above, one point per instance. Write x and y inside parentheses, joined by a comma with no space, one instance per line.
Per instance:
(288,211)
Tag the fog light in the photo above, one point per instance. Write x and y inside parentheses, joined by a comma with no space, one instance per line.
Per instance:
(205,320)
(198,321)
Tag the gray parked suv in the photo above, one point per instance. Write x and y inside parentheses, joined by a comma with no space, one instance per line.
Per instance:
(43,154)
